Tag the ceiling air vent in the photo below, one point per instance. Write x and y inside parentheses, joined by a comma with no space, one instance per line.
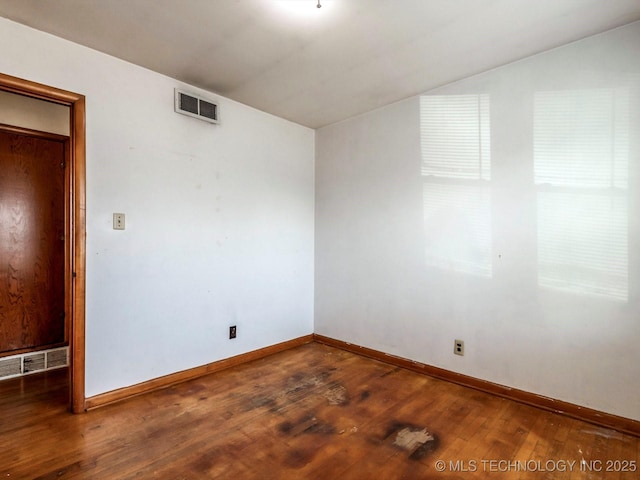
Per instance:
(196,106)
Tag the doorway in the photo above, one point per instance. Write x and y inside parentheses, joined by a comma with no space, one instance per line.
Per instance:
(73,258)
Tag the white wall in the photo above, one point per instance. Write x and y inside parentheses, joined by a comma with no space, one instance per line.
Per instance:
(25,112)
(219,218)
(551,303)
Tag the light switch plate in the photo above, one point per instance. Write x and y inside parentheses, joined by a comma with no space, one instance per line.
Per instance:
(118,221)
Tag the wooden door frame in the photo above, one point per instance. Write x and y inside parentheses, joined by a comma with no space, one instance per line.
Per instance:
(76,197)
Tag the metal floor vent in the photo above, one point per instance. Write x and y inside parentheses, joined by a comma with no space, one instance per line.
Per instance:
(196,106)
(32,362)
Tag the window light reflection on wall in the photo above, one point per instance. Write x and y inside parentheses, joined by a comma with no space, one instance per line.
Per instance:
(456,169)
(581,152)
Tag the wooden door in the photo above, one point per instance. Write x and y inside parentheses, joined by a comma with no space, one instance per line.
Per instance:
(32,240)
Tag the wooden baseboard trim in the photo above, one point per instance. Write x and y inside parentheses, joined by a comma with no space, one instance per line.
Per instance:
(595,417)
(179,377)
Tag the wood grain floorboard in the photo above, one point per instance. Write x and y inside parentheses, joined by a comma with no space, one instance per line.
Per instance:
(312,412)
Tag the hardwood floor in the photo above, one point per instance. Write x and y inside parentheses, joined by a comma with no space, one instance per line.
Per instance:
(312,412)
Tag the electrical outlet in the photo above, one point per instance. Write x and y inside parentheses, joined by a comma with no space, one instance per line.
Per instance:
(118,221)
(232,332)
(458,347)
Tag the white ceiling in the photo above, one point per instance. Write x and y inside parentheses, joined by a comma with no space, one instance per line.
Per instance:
(319,66)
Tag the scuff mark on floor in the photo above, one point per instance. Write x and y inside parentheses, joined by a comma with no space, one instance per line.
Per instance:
(408,439)
(300,381)
(307,424)
(608,434)
(389,372)
(416,440)
(259,401)
(336,394)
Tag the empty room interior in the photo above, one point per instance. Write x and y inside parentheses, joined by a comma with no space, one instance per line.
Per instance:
(319,239)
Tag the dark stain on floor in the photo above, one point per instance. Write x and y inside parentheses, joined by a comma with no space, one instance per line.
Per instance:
(298,458)
(307,424)
(206,462)
(364,395)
